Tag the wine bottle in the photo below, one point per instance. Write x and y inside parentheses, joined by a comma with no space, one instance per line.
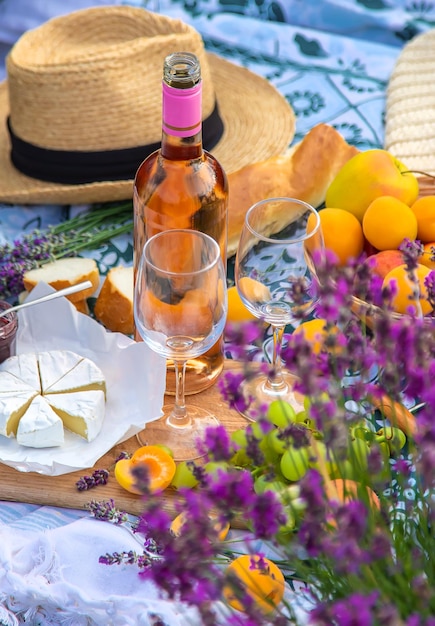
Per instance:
(181,185)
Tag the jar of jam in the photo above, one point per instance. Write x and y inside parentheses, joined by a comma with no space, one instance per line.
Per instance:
(8,332)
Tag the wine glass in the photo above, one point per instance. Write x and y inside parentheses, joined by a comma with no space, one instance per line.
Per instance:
(276,282)
(180,307)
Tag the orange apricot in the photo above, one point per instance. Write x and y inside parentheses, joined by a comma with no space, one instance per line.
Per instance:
(222,528)
(428,256)
(342,233)
(406,300)
(315,333)
(387,222)
(262,580)
(424,210)
(158,462)
(237,311)
(345,490)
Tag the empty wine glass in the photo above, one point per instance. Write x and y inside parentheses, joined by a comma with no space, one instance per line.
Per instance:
(275,280)
(180,307)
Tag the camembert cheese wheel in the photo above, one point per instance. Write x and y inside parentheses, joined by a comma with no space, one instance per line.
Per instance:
(41,394)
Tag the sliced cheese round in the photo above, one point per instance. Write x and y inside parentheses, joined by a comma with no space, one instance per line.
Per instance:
(44,393)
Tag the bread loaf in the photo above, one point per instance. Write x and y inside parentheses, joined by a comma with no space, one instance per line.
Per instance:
(64,273)
(304,172)
(114,305)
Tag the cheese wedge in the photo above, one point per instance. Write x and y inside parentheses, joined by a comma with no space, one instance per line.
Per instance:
(55,364)
(40,426)
(13,406)
(82,412)
(25,367)
(86,375)
(9,383)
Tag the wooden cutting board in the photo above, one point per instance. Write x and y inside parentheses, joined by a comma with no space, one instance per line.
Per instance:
(62,491)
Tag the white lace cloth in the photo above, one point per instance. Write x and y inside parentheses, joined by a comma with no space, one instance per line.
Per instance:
(54,577)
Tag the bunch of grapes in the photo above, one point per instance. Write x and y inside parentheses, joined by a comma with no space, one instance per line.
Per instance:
(279,450)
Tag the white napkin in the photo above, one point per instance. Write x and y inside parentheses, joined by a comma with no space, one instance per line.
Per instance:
(135,379)
(54,577)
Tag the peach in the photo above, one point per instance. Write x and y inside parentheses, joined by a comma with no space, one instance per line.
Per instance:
(367,176)
(384,261)
(428,256)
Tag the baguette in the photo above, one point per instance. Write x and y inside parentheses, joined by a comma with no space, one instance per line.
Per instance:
(64,273)
(304,172)
(114,305)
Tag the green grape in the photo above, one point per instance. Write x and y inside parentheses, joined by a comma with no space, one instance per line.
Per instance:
(270,455)
(278,443)
(265,483)
(212,468)
(294,463)
(239,439)
(279,487)
(394,437)
(240,459)
(360,431)
(344,469)
(183,476)
(358,452)
(281,413)
(319,455)
(165,448)
(290,521)
(301,417)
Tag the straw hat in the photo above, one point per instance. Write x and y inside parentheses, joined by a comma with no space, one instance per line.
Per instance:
(83,100)
(410,105)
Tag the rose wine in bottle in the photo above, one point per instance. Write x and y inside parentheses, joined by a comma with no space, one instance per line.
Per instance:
(181,185)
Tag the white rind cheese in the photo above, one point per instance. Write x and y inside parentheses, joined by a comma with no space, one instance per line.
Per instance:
(9,383)
(25,367)
(43,394)
(84,376)
(82,412)
(40,426)
(12,407)
(54,365)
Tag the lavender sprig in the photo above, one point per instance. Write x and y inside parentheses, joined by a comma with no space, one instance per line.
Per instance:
(107,512)
(86,231)
(99,477)
(129,558)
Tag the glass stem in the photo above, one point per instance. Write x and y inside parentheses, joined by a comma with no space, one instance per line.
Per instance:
(179,417)
(276,380)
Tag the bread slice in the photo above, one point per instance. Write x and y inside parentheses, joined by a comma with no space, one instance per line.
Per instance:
(303,172)
(114,305)
(64,273)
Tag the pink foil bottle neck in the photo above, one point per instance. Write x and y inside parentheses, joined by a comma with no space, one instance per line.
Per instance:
(182,110)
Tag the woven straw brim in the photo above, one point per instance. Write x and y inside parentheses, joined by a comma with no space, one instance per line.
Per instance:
(410,108)
(258,120)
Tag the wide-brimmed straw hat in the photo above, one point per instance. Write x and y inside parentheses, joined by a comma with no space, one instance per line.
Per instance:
(81,107)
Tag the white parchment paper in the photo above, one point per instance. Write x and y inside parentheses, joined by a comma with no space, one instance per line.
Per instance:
(135,378)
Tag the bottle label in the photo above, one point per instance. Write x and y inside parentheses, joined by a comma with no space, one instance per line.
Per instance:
(182,110)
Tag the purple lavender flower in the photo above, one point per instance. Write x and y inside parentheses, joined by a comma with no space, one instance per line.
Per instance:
(98,477)
(107,512)
(216,443)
